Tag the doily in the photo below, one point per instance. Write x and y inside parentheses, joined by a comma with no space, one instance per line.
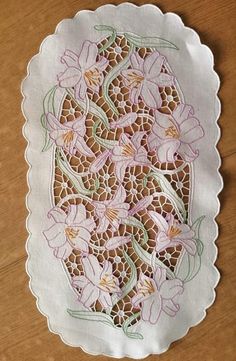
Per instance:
(121,107)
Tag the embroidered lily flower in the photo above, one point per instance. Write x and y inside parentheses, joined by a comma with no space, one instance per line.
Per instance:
(69,231)
(116,242)
(171,233)
(157,294)
(175,133)
(84,70)
(111,212)
(145,77)
(128,153)
(97,283)
(70,135)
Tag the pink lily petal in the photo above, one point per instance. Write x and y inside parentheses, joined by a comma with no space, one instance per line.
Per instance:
(189,245)
(100,208)
(151,309)
(82,147)
(89,224)
(186,231)
(81,245)
(76,214)
(92,268)
(116,242)
(89,295)
(164,79)
(115,223)
(80,89)
(55,235)
(171,288)
(102,63)
(140,157)
(190,130)
(57,214)
(124,121)
(63,252)
(170,308)
(136,61)
(99,162)
(135,94)
(166,151)
(152,141)
(182,112)
(150,94)
(79,281)
(107,268)
(105,299)
(137,138)
(140,205)
(153,64)
(70,58)
(53,123)
(137,299)
(119,197)
(163,242)
(120,168)
(103,225)
(187,153)
(69,78)
(88,55)
(159,276)
(159,220)
(78,125)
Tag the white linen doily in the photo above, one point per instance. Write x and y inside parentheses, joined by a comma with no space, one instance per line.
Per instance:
(121,107)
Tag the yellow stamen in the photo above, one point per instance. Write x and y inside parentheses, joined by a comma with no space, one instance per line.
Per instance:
(71,233)
(128,150)
(68,137)
(111,214)
(172,132)
(135,79)
(146,287)
(173,232)
(107,282)
(92,77)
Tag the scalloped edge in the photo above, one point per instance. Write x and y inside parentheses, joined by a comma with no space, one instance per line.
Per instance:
(178,18)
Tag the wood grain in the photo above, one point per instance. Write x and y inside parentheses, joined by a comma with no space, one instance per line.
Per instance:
(24,334)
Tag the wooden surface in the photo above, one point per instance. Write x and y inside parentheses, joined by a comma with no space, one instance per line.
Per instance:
(24,334)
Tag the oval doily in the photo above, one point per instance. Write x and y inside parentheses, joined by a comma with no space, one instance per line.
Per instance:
(121,107)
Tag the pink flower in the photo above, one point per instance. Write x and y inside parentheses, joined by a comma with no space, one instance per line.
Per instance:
(97,283)
(69,231)
(129,153)
(124,121)
(175,133)
(156,295)
(111,212)
(83,70)
(70,135)
(145,78)
(171,233)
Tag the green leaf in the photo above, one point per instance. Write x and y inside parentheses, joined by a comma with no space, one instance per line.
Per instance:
(132,221)
(108,144)
(126,325)
(112,38)
(48,106)
(149,42)
(92,316)
(169,191)
(115,71)
(131,282)
(147,258)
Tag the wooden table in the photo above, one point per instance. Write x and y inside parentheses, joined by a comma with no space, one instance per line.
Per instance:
(24,335)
